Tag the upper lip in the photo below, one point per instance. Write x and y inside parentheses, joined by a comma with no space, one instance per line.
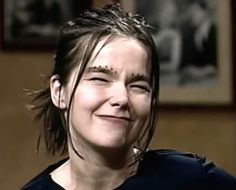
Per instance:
(116,117)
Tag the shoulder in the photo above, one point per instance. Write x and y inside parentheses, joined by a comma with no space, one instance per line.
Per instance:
(43,180)
(174,158)
(186,169)
(172,162)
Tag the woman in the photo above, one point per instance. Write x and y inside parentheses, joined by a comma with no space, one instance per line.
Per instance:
(101,108)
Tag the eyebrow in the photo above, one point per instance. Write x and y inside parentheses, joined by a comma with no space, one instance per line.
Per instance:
(139,77)
(101,70)
(110,71)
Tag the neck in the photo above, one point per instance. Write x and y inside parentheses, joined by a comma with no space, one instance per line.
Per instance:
(105,169)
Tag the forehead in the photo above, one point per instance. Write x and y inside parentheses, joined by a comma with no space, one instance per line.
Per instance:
(121,54)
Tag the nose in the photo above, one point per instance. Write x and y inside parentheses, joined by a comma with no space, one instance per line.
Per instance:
(119,96)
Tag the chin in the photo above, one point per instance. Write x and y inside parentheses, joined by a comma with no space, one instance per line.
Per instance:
(114,144)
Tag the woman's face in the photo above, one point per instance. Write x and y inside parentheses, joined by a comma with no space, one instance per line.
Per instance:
(112,101)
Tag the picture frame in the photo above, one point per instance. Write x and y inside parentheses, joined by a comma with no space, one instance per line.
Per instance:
(218,88)
(34,25)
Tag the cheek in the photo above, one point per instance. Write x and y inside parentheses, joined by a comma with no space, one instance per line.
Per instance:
(89,97)
(141,106)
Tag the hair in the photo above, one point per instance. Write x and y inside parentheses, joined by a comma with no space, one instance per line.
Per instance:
(77,41)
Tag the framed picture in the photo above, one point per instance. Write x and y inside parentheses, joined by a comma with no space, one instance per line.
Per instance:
(193,39)
(34,24)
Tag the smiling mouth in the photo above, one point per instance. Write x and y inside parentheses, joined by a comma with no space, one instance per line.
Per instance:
(115,119)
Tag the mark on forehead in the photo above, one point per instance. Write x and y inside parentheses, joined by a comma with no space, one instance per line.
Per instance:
(137,74)
(138,77)
(104,69)
(110,70)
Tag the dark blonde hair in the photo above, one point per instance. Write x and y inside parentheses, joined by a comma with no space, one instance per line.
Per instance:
(78,39)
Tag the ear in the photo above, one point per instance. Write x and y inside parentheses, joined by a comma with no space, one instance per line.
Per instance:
(57,92)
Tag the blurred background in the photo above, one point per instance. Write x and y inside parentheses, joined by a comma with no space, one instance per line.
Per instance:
(208,130)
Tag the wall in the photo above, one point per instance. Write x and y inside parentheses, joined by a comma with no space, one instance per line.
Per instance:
(207,132)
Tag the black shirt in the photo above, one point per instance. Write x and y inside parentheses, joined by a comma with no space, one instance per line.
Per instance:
(159,170)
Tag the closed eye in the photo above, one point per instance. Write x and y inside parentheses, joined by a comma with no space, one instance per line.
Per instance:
(141,88)
(98,79)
